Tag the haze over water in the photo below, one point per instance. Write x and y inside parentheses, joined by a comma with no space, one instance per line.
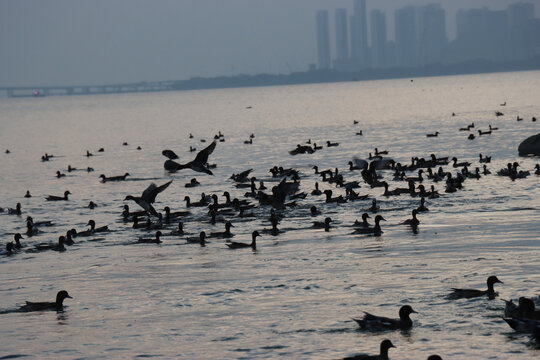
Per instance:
(295,296)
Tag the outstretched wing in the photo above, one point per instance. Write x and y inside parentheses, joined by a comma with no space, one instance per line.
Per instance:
(170,154)
(149,195)
(202,156)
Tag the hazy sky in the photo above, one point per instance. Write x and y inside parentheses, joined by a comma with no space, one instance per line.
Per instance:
(77,42)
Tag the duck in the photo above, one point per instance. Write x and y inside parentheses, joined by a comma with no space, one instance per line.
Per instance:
(91,205)
(359,133)
(171,216)
(364,223)
(486,171)
(433,135)
(27,195)
(93,228)
(199,203)
(317,147)
(249,142)
(201,239)
(329,199)
(422,207)
(357,164)
(375,230)
(148,197)
(374,208)
(224,234)
(192,183)
(331,144)
(522,325)
(524,310)
(484,159)
(472,293)
(17,237)
(57,305)
(127,215)
(56,247)
(178,231)
(480,132)
(59,174)
(323,224)
(58,198)
(198,164)
(378,153)
(413,221)
(370,321)
(239,245)
(471,137)
(537,169)
(383,353)
(16,211)
(69,237)
(151,241)
(8,251)
(491,128)
(316,191)
(314,211)
(113,178)
(456,164)
(88,153)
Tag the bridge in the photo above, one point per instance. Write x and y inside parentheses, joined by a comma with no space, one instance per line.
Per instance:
(37,91)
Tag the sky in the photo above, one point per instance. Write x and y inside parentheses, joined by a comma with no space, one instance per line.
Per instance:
(91,42)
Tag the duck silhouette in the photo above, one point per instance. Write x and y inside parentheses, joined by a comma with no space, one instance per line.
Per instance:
(198,164)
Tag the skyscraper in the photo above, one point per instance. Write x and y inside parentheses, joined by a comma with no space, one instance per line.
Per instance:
(323,39)
(406,37)
(342,39)
(432,40)
(359,44)
(378,39)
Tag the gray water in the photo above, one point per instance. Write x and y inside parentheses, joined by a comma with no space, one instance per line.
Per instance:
(294,296)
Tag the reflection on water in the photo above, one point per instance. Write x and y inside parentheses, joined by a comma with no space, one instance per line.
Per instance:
(295,295)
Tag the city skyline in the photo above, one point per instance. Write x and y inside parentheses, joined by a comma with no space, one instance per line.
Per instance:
(64,42)
(420,36)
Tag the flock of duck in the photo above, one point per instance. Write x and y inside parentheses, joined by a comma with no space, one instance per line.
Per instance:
(287,193)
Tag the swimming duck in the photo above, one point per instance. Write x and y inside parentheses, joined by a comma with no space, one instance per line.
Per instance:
(27,195)
(88,153)
(239,245)
(525,309)
(17,237)
(331,144)
(456,164)
(151,241)
(471,137)
(472,293)
(59,174)
(374,208)
(314,211)
(198,164)
(91,205)
(201,239)
(224,234)
(537,167)
(8,250)
(113,178)
(199,203)
(58,198)
(323,224)
(16,211)
(480,132)
(375,230)
(522,325)
(179,230)
(370,321)
(383,152)
(359,133)
(433,135)
(58,305)
(69,237)
(316,191)
(422,207)
(383,354)
(93,228)
(171,216)
(486,171)
(127,215)
(193,182)
(364,223)
(338,199)
(413,221)
(56,247)
(148,197)
(249,142)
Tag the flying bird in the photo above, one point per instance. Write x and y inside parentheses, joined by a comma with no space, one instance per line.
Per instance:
(198,164)
(148,197)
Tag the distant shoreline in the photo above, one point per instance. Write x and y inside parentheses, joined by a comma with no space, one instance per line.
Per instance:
(296,78)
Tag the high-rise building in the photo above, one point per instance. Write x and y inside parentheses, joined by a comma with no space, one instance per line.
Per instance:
(378,39)
(432,40)
(359,43)
(406,37)
(342,39)
(519,16)
(323,39)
